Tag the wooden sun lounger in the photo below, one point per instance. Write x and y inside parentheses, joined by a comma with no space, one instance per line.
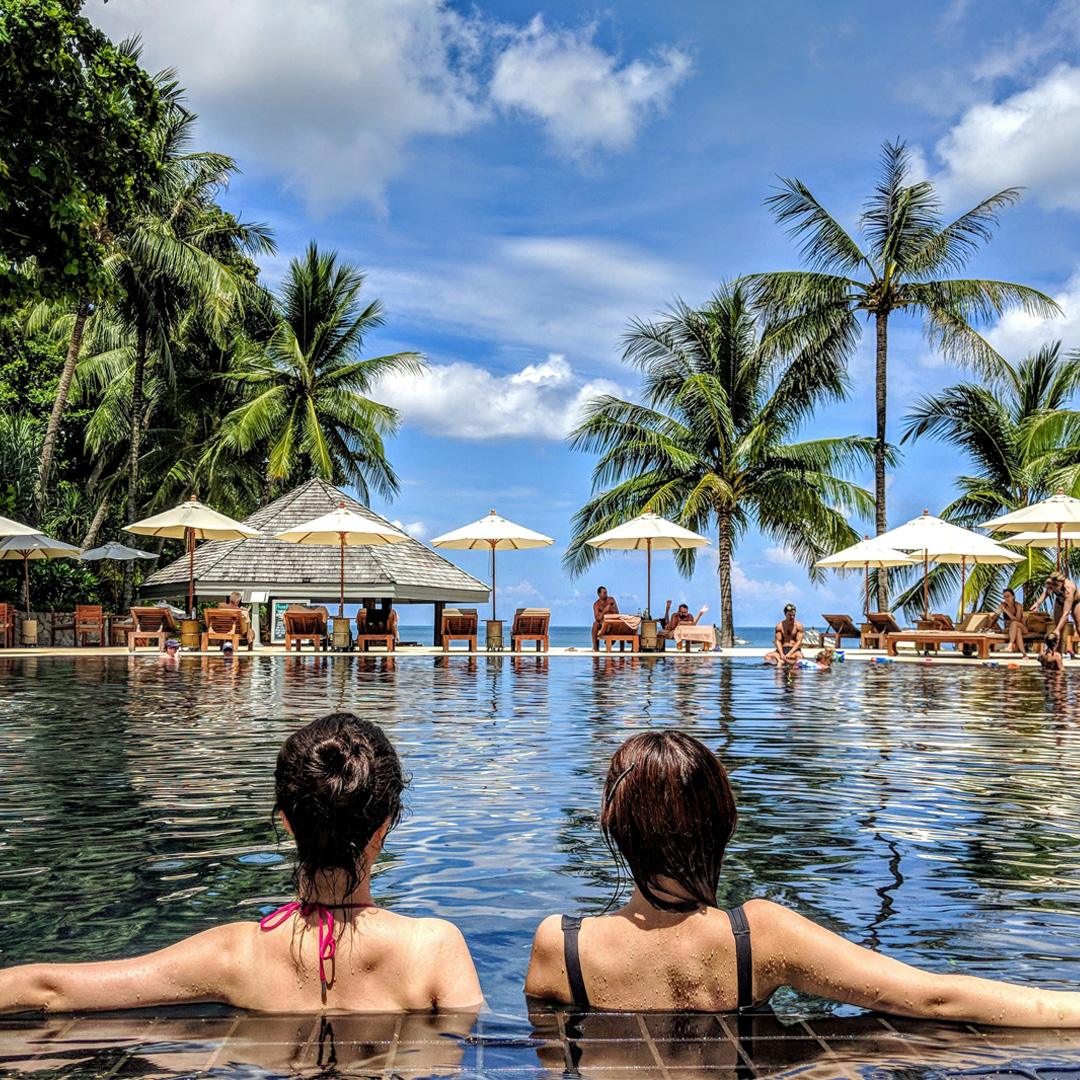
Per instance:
(530,624)
(226,624)
(935,638)
(881,623)
(459,624)
(151,624)
(302,624)
(840,626)
(621,628)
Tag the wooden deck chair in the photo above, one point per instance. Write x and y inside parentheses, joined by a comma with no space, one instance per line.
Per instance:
(459,624)
(941,621)
(306,624)
(881,623)
(89,619)
(226,624)
(8,624)
(530,624)
(840,626)
(150,624)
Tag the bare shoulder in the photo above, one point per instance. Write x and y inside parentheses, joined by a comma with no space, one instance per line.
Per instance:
(799,626)
(548,937)
(438,932)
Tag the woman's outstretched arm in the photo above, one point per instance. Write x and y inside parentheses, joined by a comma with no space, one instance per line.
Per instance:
(199,968)
(802,954)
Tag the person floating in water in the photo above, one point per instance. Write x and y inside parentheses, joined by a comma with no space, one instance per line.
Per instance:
(788,639)
(1050,656)
(823,660)
(668,810)
(338,793)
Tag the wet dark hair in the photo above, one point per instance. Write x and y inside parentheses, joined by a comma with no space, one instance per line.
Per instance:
(670,812)
(1051,639)
(337,780)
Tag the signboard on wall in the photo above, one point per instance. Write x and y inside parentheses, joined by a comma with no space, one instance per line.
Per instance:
(277,618)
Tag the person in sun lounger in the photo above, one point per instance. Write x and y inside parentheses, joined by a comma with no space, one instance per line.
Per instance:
(788,639)
(668,810)
(682,617)
(602,605)
(338,793)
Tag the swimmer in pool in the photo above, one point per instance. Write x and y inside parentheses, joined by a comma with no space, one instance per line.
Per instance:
(1050,656)
(338,792)
(669,810)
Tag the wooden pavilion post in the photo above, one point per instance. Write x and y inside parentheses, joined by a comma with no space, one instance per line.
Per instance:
(437,636)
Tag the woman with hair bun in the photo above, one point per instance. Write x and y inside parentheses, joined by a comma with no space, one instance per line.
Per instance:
(338,792)
(668,810)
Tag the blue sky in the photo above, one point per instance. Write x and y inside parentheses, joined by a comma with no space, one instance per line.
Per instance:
(519,181)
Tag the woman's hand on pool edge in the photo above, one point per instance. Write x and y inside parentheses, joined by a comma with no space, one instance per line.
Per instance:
(802,954)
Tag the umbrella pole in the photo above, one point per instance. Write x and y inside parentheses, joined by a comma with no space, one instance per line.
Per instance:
(26,571)
(191,572)
(341,598)
(866,598)
(648,579)
(963,576)
(493,580)
(926,584)
(1059,546)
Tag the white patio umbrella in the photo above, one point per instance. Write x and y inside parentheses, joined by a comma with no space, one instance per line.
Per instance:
(934,540)
(8,527)
(492,533)
(1058,514)
(34,546)
(648,532)
(342,528)
(866,553)
(191,521)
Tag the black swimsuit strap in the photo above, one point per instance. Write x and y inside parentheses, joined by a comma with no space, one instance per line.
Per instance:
(744,960)
(571,924)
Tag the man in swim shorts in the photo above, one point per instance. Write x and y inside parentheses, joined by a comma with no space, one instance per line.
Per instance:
(602,605)
(787,640)
(682,617)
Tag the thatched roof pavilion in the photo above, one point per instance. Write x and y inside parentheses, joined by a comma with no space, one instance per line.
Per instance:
(405,573)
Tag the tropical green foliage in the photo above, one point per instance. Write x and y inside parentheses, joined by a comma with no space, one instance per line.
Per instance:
(905,263)
(712,443)
(1021,441)
(75,154)
(306,388)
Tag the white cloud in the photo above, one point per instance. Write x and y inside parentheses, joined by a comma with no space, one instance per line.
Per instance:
(568,294)
(578,92)
(778,556)
(523,590)
(331,95)
(463,401)
(1028,139)
(1016,333)
(416,529)
(746,589)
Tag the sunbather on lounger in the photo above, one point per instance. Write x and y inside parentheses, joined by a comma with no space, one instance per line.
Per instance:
(339,785)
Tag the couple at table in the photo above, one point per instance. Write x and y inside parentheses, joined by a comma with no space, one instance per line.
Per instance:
(605,606)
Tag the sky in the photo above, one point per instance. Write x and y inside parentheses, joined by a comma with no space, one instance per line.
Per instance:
(520,181)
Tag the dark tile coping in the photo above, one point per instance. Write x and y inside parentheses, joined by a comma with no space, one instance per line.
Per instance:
(680,1046)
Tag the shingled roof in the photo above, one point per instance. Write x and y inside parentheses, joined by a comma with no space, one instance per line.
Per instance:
(407,571)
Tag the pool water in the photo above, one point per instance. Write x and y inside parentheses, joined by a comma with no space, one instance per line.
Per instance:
(932,812)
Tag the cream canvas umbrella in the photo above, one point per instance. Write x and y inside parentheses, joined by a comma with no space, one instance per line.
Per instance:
(934,540)
(492,533)
(191,521)
(1058,514)
(866,553)
(34,546)
(8,527)
(648,532)
(342,528)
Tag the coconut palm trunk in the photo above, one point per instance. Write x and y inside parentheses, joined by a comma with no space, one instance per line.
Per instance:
(723,547)
(95,525)
(63,389)
(133,454)
(879,449)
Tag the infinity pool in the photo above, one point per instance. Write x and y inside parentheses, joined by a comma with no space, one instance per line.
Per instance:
(931,812)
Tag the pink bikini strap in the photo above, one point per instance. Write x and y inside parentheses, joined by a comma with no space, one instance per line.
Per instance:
(327,944)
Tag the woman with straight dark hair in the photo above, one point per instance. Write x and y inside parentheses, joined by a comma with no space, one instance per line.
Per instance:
(669,811)
(338,792)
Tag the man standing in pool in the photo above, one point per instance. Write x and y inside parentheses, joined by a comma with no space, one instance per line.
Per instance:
(603,605)
(787,643)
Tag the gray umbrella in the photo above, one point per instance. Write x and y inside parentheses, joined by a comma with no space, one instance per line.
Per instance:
(119,552)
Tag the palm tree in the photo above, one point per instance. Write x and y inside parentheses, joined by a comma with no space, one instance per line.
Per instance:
(307,408)
(709,444)
(1022,441)
(903,265)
